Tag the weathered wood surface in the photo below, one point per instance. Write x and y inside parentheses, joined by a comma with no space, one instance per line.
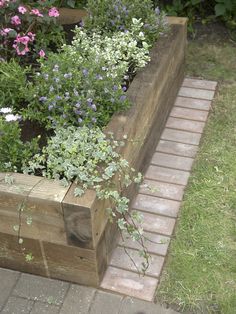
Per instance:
(70,237)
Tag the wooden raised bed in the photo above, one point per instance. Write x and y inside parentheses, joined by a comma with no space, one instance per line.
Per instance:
(70,238)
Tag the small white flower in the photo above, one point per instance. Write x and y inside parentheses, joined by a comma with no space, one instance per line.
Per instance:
(5,110)
(12,117)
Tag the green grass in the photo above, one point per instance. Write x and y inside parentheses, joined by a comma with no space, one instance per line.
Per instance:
(200,275)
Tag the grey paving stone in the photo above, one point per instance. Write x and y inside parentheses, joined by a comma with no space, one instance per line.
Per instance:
(158,224)
(203,84)
(106,303)
(191,114)
(44,308)
(129,283)
(135,306)
(41,289)
(167,175)
(185,125)
(181,136)
(16,305)
(171,161)
(122,258)
(193,103)
(196,93)
(8,279)
(155,243)
(78,300)
(175,148)
(155,205)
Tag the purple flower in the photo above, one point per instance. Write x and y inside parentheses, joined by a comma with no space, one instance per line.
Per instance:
(124,88)
(50,107)
(157,11)
(85,72)
(94,107)
(89,101)
(122,98)
(78,105)
(67,75)
(80,120)
(78,112)
(99,77)
(56,79)
(43,99)
(115,87)
(58,97)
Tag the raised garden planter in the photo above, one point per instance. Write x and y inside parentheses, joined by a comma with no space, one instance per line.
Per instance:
(70,238)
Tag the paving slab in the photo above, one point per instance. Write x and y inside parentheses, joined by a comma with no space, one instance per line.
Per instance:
(196,93)
(16,305)
(193,103)
(44,308)
(197,83)
(8,280)
(123,258)
(181,136)
(185,125)
(41,289)
(168,175)
(135,306)
(157,224)
(161,206)
(106,303)
(190,114)
(154,243)
(178,149)
(78,300)
(171,161)
(129,283)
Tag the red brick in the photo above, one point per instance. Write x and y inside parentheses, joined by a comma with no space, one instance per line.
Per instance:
(167,175)
(171,161)
(121,258)
(175,148)
(181,136)
(196,93)
(203,84)
(185,125)
(158,224)
(191,114)
(129,283)
(154,243)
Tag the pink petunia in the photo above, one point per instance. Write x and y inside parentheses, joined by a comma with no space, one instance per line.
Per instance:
(36,12)
(53,12)
(31,36)
(15,20)
(42,53)
(22,9)
(5,31)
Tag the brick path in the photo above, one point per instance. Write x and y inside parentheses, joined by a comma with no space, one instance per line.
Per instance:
(158,201)
(160,196)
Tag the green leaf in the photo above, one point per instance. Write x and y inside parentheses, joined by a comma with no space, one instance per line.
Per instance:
(71,3)
(220,9)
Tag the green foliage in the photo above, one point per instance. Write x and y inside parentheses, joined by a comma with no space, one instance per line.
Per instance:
(89,158)
(83,84)
(13,152)
(13,84)
(110,16)
(204,10)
